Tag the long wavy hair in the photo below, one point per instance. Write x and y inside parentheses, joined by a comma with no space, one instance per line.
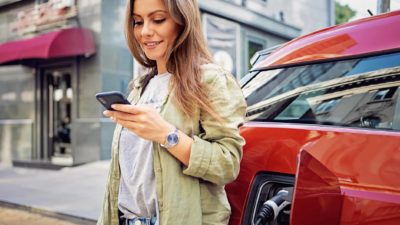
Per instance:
(184,59)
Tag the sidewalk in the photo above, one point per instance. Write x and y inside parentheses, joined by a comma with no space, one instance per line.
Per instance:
(76,191)
(16,215)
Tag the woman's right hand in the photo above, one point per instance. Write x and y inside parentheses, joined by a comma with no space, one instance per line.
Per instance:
(143,120)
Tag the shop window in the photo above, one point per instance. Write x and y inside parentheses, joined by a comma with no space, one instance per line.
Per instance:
(253,48)
(254,44)
(222,39)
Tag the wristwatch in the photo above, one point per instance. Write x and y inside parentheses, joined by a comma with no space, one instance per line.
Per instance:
(171,139)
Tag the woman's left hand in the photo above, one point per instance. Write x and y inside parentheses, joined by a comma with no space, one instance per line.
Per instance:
(143,120)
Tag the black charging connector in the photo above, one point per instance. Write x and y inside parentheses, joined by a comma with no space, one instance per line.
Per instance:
(271,208)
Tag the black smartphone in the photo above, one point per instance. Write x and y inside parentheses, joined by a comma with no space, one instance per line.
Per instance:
(111,97)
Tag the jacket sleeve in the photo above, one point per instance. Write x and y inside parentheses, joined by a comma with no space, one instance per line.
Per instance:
(216,152)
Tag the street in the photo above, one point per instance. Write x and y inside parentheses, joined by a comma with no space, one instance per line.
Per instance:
(11,215)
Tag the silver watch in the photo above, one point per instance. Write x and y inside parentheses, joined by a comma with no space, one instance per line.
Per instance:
(171,139)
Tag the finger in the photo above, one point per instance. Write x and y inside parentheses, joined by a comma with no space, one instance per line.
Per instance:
(131,125)
(124,108)
(119,115)
(134,109)
(107,113)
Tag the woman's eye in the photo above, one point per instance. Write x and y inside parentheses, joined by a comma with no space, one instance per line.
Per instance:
(159,21)
(137,23)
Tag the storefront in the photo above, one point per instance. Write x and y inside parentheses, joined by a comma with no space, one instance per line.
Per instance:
(52,62)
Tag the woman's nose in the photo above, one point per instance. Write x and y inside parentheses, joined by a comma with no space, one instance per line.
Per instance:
(147,30)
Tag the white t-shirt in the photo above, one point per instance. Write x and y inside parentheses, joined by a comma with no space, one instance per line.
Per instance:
(137,191)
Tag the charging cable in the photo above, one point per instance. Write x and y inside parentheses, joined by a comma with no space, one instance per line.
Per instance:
(271,208)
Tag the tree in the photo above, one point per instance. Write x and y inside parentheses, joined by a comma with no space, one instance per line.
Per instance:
(343,13)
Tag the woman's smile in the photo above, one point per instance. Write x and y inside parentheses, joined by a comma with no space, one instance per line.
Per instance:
(151,44)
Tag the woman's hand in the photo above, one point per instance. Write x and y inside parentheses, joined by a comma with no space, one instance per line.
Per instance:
(143,120)
(146,122)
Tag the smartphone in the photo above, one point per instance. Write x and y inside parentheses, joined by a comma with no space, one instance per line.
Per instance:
(111,97)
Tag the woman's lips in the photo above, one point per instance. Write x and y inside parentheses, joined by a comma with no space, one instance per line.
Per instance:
(151,44)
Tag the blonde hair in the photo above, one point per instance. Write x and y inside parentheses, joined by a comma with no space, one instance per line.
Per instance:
(184,59)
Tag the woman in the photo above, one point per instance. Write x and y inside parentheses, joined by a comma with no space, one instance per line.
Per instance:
(178,144)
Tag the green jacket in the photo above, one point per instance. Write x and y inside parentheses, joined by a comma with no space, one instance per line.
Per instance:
(195,194)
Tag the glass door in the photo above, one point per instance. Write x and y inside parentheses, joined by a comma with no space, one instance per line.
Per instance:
(57,95)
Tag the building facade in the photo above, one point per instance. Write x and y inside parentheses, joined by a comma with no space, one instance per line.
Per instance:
(49,114)
(55,55)
(236,29)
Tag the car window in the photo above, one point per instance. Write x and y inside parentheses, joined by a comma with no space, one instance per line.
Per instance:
(360,92)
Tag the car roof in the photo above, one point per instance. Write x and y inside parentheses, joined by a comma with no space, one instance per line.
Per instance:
(369,35)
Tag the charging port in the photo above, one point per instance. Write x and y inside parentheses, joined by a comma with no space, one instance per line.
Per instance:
(269,201)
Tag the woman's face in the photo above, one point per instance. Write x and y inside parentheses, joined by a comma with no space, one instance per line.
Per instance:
(154,29)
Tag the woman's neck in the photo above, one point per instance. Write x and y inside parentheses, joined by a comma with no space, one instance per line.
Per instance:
(161,67)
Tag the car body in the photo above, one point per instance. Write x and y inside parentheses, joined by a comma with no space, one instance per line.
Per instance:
(324,117)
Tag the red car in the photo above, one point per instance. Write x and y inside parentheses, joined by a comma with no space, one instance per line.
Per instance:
(323,129)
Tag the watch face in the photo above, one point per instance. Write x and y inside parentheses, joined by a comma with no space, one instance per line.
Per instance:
(172,139)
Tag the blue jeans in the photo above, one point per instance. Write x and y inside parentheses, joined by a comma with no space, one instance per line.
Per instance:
(137,220)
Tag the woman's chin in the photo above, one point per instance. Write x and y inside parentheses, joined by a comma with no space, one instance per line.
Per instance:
(152,57)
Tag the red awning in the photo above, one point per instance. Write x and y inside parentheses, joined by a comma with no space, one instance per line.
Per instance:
(61,43)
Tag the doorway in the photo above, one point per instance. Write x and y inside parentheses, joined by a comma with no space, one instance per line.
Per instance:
(55,115)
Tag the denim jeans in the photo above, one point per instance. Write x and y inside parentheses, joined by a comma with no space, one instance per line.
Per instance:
(137,220)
